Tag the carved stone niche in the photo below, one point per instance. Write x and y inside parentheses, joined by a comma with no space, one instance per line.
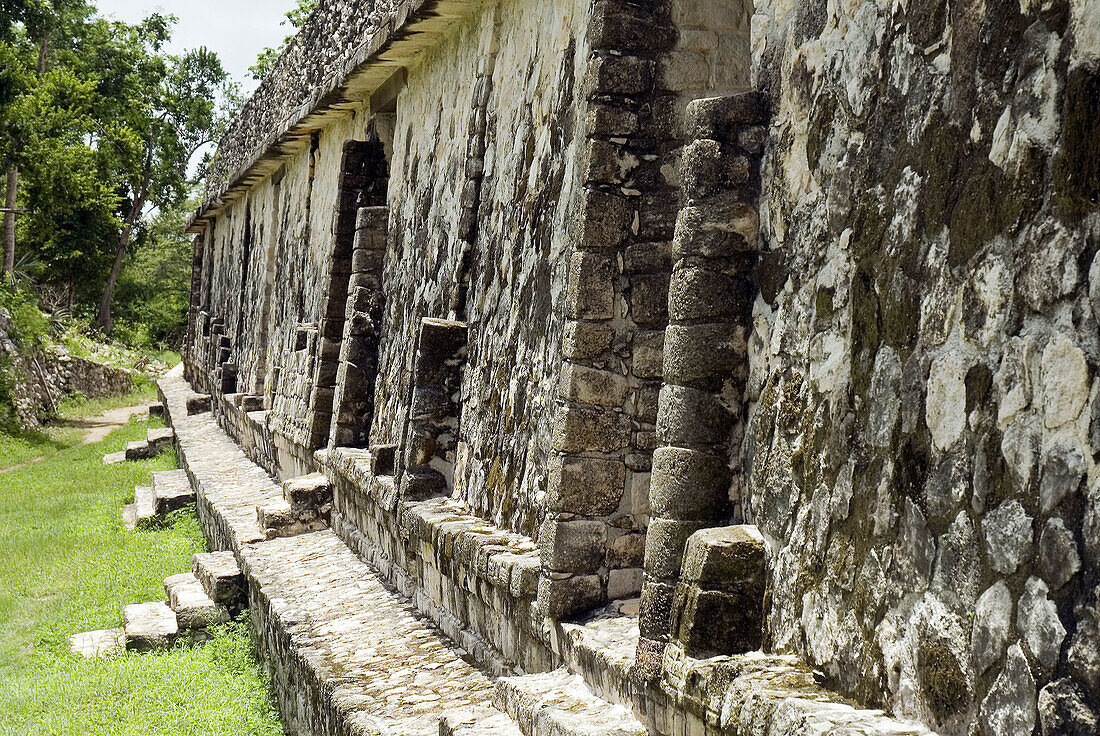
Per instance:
(431,437)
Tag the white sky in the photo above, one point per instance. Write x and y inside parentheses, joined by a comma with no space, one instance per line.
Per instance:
(236,29)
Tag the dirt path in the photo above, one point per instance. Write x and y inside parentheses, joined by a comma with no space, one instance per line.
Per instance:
(95,428)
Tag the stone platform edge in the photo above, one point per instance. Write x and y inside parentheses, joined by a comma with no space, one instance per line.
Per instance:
(730,695)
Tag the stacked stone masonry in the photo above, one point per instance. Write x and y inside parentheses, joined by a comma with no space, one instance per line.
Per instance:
(728,356)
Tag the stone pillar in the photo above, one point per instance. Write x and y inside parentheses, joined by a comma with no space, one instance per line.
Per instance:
(617,294)
(353,405)
(431,435)
(702,405)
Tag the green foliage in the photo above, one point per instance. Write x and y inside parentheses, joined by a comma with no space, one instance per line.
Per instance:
(153,290)
(103,125)
(296,17)
(69,567)
(29,327)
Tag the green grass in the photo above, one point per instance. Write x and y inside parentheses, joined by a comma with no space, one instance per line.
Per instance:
(67,567)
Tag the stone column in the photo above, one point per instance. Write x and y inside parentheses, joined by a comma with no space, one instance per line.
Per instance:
(353,405)
(702,406)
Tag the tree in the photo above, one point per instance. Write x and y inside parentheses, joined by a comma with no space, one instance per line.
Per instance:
(155,111)
(27,28)
(296,17)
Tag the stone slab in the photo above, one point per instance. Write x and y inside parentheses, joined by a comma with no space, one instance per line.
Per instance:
(141,512)
(559,703)
(140,450)
(171,491)
(477,722)
(149,626)
(102,643)
(220,576)
(193,607)
(114,458)
(160,437)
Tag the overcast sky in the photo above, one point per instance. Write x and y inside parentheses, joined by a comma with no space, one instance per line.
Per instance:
(236,29)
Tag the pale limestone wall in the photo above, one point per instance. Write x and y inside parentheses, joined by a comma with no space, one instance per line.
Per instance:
(536,55)
(924,363)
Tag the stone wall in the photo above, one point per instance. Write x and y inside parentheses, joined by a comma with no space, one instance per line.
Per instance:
(924,358)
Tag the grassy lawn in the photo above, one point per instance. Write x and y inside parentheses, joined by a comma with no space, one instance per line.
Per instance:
(66,566)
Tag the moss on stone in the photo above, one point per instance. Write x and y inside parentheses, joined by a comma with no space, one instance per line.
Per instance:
(942,678)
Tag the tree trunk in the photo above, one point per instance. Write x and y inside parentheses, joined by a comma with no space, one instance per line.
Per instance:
(9,219)
(103,319)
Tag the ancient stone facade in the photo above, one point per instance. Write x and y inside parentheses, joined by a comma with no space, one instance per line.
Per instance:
(783,318)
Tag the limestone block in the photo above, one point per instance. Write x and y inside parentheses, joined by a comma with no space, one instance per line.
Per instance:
(1007,534)
(221,577)
(648,258)
(579,428)
(698,237)
(698,293)
(608,163)
(141,450)
(591,291)
(617,75)
(620,26)
(560,598)
(612,121)
(1010,707)
(149,626)
(689,417)
(1083,654)
(684,70)
(648,354)
(1037,621)
(194,609)
(689,485)
(573,546)
(702,354)
(585,485)
(1063,709)
(624,583)
(664,546)
(719,118)
(171,491)
(649,299)
(586,385)
(1058,560)
(560,704)
(655,614)
(586,340)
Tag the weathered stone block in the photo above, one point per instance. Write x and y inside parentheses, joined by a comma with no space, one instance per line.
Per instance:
(702,355)
(591,288)
(608,120)
(626,583)
(655,610)
(585,485)
(664,546)
(586,385)
(617,75)
(649,299)
(648,354)
(573,546)
(689,485)
(569,596)
(690,417)
(720,118)
(586,340)
(587,429)
(607,219)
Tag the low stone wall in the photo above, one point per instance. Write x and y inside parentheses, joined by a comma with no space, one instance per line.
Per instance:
(51,377)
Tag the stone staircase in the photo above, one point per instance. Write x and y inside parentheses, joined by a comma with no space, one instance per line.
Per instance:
(156,440)
(170,490)
(194,602)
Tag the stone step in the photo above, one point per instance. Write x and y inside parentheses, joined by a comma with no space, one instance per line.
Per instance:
(559,703)
(311,491)
(485,721)
(114,458)
(280,519)
(141,512)
(149,626)
(171,490)
(198,404)
(157,410)
(160,437)
(221,578)
(141,450)
(93,644)
(194,609)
